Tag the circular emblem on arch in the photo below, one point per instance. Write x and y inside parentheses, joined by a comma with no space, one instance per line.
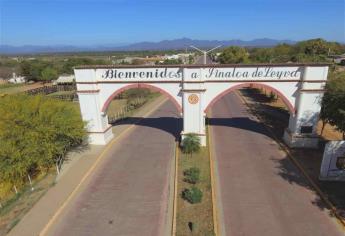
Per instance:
(193,99)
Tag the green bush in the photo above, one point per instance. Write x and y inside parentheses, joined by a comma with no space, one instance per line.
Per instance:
(192,195)
(191,144)
(192,175)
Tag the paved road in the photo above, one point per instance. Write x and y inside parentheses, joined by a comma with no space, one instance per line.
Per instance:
(128,193)
(200,60)
(260,190)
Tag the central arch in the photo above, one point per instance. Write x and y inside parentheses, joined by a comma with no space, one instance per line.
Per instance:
(141,85)
(286,101)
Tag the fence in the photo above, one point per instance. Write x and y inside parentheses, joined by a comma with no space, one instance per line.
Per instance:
(124,111)
(67,97)
(51,89)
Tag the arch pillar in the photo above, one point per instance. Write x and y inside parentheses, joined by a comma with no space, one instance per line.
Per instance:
(302,129)
(193,114)
(100,132)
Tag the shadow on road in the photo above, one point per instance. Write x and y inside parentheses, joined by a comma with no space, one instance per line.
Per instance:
(276,119)
(171,125)
(244,123)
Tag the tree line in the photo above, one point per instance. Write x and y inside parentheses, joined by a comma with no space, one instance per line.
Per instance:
(45,71)
(314,50)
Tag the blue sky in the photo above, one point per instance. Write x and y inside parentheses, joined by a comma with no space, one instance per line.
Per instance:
(98,22)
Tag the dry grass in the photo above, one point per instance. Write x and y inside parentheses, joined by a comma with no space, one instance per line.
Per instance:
(13,210)
(201,213)
(115,106)
(18,88)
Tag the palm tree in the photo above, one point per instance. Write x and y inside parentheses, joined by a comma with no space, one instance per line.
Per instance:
(191,144)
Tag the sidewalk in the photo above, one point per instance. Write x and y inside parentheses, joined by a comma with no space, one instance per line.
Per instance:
(71,175)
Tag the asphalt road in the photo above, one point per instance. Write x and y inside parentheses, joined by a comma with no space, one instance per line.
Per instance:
(128,193)
(200,60)
(260,191)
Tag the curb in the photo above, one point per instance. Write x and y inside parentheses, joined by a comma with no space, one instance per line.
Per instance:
(213,186)
(321,194)
(173,233)
(88,173)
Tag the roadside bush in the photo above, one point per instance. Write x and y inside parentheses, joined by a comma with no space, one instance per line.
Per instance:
(272,97)
(191,144)
(192,175)
(192,195)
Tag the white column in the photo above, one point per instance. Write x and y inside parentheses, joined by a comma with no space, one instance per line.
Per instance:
(100,132)
(302,129)
(193,92)
(193,115)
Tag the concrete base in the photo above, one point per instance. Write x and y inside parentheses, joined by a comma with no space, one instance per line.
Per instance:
(101,138)
(329,170)
(201,136)
(301,141)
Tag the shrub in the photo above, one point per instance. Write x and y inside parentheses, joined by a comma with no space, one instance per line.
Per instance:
(192,175)
(192,195)
(272,97)
(191,144)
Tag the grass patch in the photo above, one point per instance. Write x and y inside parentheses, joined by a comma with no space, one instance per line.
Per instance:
(9,88)
(198,216)
(16,207)
(115,106)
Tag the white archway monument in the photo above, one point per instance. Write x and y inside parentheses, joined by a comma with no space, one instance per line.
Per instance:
(194,88)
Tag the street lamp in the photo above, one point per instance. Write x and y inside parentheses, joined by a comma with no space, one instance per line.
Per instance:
(205,52)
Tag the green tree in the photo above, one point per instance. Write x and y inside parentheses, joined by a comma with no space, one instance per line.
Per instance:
(48,74)
(191,144)
(314,47)
(261,55)
(190,59)
(233,54)
(35,133)
(333,102)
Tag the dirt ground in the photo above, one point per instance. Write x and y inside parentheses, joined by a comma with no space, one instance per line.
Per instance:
(200,214)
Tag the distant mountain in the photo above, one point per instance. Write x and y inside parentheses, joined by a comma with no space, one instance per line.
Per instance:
(162,45)
(186,42)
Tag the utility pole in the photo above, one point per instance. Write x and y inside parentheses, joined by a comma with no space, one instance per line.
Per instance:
(205,52)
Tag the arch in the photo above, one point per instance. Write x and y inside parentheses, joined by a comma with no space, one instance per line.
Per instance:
(140,85)
(257,85)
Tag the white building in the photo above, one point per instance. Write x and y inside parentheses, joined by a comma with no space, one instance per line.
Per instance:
(65,79)
(17,79)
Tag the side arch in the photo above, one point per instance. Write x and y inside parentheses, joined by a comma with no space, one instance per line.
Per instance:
(254,85)
(140,85)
